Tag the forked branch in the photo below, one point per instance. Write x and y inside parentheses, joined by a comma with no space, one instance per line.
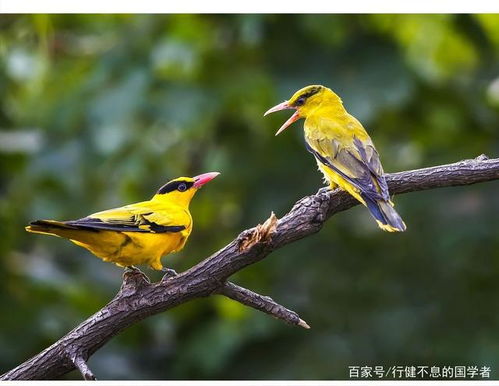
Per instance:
(138,298)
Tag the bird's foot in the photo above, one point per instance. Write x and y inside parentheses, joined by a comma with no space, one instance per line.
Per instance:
(327,189)
(168,273)
(133,278)
(324,190)
(131,269)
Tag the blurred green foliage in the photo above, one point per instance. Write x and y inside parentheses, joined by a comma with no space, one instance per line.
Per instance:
(100,110)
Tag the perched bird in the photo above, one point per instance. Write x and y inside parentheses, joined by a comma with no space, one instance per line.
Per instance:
(343,150)
(138,233)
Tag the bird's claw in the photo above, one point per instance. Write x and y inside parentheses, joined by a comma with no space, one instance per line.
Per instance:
(324,190)
(130,269)
(168,273)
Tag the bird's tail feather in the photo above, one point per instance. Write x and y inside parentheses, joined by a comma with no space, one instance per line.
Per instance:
(386,216)
(49,227)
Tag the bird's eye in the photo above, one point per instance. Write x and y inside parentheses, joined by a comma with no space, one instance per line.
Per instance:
(300,101)
(182,187)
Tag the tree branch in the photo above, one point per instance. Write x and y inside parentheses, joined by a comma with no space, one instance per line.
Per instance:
(82,366)
(138,298)
(261,303)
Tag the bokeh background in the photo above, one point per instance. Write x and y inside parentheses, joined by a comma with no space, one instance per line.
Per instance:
(100,110)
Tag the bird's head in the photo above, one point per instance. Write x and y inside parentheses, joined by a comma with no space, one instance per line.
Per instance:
(303,101)
(181,190)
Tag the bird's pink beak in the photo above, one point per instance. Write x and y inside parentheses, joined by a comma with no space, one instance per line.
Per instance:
(284,106)
(204,178)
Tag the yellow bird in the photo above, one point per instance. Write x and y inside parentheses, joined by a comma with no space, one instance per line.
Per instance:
(343,150)
(138,233)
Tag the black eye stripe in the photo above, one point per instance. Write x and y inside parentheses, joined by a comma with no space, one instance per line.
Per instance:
(303,97)
(171,186)
(311,92)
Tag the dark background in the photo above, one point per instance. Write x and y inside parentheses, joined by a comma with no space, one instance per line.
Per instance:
(97,111)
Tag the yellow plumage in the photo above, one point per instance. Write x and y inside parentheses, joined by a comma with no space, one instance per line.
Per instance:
(134,234)
(343,150)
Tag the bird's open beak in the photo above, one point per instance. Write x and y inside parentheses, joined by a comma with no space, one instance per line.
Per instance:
(204,178)
(284,106)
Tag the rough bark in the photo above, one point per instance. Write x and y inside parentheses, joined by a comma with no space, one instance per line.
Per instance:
(138,298)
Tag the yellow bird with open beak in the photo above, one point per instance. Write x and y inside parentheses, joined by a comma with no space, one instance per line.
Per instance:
(344,152)
(138,233)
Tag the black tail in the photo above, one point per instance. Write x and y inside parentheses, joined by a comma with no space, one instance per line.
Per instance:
(47,226)
(387,218)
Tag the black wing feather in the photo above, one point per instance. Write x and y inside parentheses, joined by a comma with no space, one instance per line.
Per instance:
(374,167)
(364,184)
(95,224)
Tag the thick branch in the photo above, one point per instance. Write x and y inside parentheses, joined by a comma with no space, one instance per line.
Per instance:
(139,299)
